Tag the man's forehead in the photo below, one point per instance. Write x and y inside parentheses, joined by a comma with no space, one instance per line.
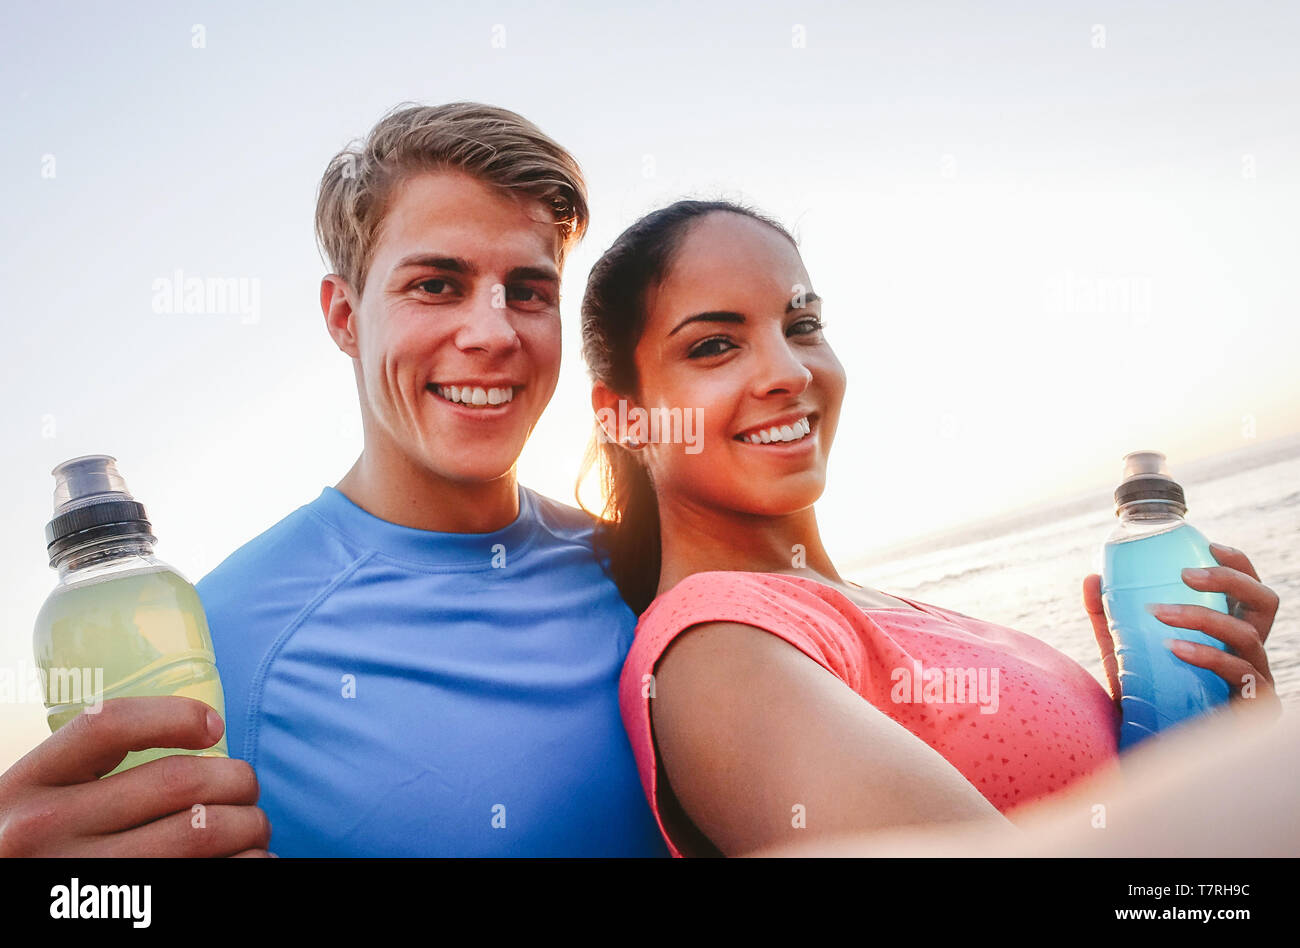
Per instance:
(459,216)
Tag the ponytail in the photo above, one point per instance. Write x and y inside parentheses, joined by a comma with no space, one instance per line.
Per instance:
(627,533)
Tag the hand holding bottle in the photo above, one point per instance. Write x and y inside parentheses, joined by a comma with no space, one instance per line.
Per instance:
(53,801)
(1244,630)
(1253,608)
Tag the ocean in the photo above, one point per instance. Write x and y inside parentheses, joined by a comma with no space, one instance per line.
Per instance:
(1026,572)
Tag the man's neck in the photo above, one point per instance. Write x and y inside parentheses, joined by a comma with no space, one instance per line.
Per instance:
(400,492)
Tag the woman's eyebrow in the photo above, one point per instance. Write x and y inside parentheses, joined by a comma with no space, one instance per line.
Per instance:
(724,316)
(711,317)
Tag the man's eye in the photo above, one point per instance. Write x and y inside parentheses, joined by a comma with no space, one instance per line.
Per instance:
(810,325)
(526,294)
(434,287)
(706,347)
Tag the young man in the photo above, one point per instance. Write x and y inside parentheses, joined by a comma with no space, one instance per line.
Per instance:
(424,660)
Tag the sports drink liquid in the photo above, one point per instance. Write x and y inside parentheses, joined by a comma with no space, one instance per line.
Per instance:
(1142,562)
(120,622)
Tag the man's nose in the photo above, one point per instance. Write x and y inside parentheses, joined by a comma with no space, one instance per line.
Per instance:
(488,325)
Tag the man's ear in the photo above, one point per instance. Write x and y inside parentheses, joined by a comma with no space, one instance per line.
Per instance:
(340,322)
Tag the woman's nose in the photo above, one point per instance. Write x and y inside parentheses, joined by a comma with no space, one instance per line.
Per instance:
(781,371)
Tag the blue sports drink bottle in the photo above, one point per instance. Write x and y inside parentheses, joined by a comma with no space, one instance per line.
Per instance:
(1142,562)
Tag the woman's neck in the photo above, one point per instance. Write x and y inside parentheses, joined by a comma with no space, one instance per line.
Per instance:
(695,539)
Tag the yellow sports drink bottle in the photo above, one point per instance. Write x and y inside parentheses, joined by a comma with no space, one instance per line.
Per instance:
(120,622)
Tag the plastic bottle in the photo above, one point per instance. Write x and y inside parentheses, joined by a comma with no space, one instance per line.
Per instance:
(1142,562)
(120,622)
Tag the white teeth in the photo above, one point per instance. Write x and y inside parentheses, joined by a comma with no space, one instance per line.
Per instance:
(780,433)
(472,395)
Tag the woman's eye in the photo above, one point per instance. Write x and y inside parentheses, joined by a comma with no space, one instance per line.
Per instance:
(706,347)
(810,325)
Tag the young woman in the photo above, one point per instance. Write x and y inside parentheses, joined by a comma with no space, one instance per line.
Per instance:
(768,700)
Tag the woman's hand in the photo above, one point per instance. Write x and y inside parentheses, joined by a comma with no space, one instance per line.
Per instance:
(1101,631)
(1252,609)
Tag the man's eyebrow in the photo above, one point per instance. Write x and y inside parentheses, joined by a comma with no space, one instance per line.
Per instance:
(549,274)
(724,316)
(438,261)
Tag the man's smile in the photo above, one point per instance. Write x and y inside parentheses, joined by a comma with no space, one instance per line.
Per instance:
(476,397)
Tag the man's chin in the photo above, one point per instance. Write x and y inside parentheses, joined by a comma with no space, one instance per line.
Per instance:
(471,471)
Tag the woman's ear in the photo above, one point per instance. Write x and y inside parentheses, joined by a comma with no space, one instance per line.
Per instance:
(604,402)
(612,413)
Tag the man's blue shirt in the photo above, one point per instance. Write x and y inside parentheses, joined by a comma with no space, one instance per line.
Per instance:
(407,693)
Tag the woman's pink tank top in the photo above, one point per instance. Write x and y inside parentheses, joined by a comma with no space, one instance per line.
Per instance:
(1016,717)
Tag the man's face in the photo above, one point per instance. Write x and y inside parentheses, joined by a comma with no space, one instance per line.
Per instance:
(458,330)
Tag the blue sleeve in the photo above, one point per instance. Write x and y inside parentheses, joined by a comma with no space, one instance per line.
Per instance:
(234,642)
(253,596)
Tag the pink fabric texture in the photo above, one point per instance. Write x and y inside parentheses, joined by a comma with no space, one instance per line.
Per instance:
(1053,723)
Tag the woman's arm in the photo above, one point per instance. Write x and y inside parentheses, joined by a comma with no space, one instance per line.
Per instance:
(764,747)
(1222,786)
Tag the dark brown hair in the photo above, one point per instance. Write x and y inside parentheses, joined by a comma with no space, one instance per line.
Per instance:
(613,319)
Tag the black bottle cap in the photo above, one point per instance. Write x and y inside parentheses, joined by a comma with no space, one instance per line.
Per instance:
(91,503)
(1146,477)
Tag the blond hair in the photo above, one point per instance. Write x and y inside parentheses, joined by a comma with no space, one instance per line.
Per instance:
(495,145)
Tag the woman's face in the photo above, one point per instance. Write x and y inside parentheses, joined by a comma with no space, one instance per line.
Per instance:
(733,335)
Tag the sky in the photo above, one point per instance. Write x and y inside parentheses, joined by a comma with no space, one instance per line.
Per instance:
(1046,235)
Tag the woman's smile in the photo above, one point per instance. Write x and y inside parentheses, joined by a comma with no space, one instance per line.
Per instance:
(786,431)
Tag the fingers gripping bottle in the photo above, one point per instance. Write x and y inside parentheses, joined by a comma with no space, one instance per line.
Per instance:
(120,622)
(1142,562)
